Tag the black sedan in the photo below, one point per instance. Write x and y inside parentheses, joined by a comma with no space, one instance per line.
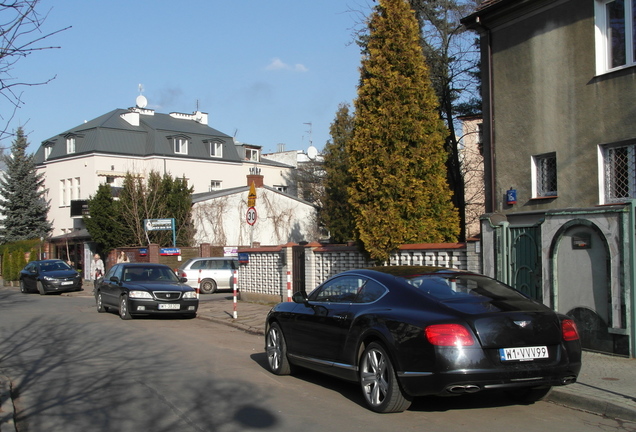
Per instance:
(402,332)
(145,289)
(49,276)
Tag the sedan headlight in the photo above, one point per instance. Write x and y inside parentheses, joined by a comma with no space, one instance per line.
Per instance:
(49,278)
(140,295)
(190,295)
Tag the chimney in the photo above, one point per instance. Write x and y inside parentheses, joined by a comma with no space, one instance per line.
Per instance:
(255,177)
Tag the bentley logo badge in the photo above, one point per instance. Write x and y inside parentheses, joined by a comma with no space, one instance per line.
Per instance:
(522,324)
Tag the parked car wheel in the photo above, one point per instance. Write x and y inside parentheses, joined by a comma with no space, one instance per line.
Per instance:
(124,312)
(100,304)
(379,383)
(208,286)
(23,289)
(40,288)
(277,351)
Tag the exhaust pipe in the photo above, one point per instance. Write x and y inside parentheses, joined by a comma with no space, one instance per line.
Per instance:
(463,389)
(568,380)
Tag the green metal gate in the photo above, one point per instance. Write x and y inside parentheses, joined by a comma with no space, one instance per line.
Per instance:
(519,258)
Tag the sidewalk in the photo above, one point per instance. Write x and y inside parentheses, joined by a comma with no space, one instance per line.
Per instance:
(605,386)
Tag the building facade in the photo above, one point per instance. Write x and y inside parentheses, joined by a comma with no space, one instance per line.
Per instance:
(138,141)
(558,80)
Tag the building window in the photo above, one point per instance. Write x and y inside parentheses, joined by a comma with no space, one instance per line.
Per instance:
(70,145)
(215,185)
(47,151)
(76,189)
(544,173)
(64,193)
(281,188)
(251,154)
(619,166)
(216,149)
(615,37)
(180,145)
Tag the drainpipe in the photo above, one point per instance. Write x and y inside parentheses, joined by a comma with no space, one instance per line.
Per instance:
(631,300)
(491,121)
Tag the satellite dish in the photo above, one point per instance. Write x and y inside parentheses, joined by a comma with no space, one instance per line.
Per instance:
(312,152)
(141,101)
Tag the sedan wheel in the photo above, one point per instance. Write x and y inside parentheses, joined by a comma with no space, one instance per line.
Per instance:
(208,286)
(40,288)
(277,351)
(380,387)
(100,304)
(124,312)
(23,289)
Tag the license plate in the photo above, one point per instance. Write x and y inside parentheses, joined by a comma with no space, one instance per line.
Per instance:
(523,353)
(67,283)
(163,306)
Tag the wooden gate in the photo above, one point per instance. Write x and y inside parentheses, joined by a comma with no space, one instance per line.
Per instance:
(298,268)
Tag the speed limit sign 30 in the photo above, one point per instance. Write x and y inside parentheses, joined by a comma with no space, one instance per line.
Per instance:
(251,216)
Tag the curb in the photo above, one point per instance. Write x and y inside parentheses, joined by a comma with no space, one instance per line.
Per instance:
(594,405)
(236,324)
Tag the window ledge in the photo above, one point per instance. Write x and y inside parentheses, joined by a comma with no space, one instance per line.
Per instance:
(544,198)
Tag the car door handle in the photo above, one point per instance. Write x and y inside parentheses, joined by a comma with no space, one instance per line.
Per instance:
(341,317)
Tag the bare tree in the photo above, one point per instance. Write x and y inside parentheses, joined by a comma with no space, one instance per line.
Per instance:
(21,35)
(453,59)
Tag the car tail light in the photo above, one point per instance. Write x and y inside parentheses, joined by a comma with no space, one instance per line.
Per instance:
(448,335)
(569,331)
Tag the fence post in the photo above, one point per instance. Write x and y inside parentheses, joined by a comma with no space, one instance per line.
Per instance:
(235,293)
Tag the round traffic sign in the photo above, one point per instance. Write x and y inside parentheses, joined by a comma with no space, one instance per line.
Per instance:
(251,216)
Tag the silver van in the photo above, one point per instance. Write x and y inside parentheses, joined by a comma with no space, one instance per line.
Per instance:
(209,274)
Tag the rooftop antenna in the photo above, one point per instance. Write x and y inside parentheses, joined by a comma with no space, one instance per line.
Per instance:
(141,100)
(312,151)
(309,131)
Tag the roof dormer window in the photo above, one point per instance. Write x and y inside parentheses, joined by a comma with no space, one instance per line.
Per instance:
(252,154)
(180,145)
(47,151)
(216,149)
(70,145)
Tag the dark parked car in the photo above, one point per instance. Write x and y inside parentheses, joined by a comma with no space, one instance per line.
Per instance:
(145,289)
(402,332)
(49,276)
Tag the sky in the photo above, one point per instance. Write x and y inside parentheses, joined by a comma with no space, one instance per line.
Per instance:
(262,70)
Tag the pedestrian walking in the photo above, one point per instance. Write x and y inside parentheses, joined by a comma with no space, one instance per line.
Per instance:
(122,258)
(97,268)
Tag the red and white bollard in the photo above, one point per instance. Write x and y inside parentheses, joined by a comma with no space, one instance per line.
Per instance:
(289,286)
(235,293)
(198,288)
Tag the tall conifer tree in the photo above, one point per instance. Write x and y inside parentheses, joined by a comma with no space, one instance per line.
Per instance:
(397,160)
(23,201)
(105,222)
(336,212)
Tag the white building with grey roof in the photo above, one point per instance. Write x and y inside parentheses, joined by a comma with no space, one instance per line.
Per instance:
(139,140)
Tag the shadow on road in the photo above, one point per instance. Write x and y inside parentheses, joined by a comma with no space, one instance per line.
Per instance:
(106,374)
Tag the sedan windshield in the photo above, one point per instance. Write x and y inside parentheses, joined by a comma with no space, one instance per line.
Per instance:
(462,287)
(149,274)
(54,266)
